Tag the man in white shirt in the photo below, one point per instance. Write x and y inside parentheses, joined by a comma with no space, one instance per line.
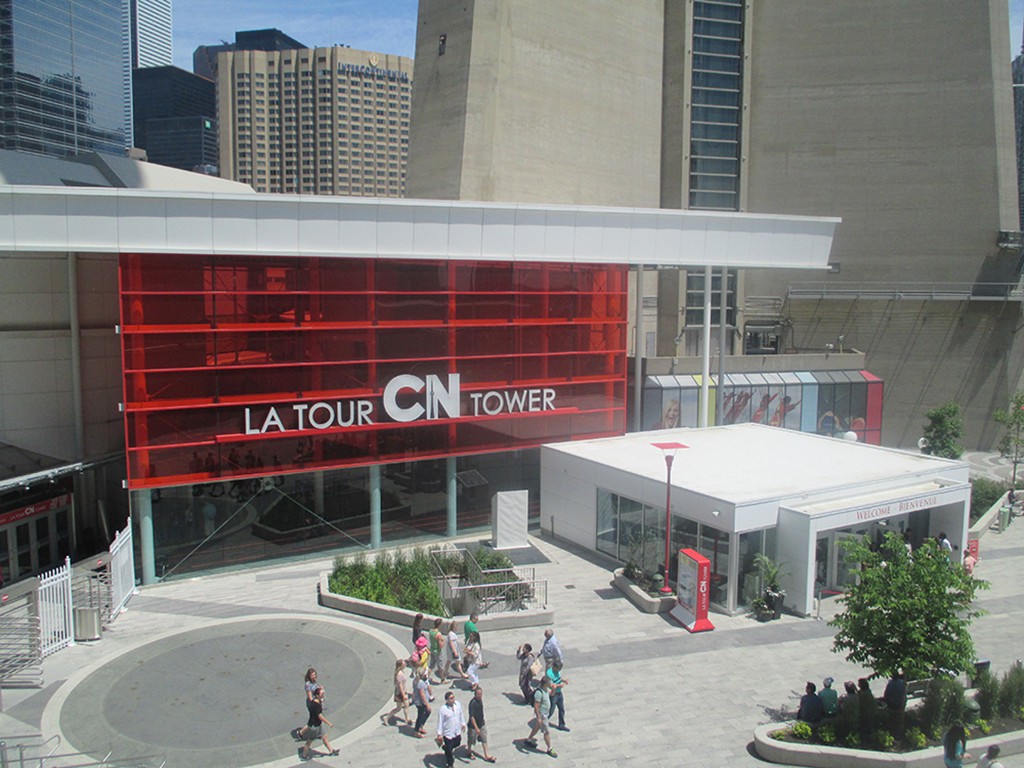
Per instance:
(551,650)
(988,760)
(450,725)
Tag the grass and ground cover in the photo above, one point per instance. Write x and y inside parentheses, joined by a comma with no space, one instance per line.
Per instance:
(408,580)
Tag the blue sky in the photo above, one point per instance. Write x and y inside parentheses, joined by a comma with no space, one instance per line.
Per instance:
(385,26)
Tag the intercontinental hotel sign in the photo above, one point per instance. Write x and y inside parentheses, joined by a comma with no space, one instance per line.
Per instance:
(406,398)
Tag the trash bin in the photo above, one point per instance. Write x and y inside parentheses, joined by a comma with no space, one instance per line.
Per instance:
(87,624)
(1004,518)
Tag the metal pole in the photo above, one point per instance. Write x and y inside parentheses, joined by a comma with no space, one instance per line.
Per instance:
(665,588)
(705,357)
(638,322)
(722,315)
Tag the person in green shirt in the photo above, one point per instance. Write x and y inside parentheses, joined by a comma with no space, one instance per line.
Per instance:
(829,698)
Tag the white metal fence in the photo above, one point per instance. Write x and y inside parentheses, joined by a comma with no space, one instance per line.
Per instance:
(56,628)
(122,570)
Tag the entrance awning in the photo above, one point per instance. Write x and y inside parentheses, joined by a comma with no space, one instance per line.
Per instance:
(882,503)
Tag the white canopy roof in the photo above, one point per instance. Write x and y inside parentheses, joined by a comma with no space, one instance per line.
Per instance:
(149,221)
(744,464)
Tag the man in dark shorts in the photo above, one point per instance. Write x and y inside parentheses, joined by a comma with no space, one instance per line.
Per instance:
(315,724)
(477,727)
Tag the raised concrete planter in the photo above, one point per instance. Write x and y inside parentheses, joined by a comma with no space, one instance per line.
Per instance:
(639,598)
(817,756)
(491,622)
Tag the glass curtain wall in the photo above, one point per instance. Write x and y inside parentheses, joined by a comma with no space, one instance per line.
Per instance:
(634,533)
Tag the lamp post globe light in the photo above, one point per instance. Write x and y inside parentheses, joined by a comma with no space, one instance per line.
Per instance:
(669,450)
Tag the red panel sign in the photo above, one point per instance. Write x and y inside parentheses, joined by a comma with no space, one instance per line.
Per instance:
(24,513)
(253,366)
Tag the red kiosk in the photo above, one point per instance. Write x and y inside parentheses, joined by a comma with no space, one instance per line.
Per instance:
(692,591)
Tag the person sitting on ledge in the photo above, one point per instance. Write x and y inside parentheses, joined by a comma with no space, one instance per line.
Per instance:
(829,698)
(811,710)
(895,696)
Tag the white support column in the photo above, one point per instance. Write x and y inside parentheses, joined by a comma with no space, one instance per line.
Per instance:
(375,506)
(142,510)
(453,497)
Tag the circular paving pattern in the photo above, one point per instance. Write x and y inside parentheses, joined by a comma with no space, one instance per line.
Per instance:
(227,695)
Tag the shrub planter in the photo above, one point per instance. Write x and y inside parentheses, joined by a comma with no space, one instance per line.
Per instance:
(491,621)
(819,756)
(639,597)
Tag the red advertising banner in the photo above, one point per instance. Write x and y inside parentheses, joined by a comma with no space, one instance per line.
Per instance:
(24,513)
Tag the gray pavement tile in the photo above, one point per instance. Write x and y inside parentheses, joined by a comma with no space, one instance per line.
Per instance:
(697,698)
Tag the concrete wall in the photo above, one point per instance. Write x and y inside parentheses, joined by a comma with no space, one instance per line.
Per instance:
(860,115)
(36,374)
(535,101)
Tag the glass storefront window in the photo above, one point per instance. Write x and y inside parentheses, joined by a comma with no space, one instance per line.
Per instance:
(607,514)
(751,545)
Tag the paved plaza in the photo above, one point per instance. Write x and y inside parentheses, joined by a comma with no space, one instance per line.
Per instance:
(208,672)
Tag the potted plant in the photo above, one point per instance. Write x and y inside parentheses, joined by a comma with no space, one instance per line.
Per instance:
(761,610)
(770,573)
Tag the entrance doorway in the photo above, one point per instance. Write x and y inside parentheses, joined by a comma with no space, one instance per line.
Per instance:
(831,571)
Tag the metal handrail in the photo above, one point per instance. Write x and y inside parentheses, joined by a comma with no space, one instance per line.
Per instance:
(932,291)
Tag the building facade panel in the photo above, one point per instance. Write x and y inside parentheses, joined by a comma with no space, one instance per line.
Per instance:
(315,364)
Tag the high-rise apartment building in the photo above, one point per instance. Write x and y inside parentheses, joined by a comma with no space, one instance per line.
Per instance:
(62,77)
(315,120)
(798,108)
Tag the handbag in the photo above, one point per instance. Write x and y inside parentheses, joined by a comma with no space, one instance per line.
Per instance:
(537,668)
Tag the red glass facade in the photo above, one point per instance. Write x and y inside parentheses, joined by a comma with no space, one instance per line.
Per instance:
(248,366)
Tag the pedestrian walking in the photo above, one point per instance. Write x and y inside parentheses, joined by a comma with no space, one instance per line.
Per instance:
(526,658)
(471,659)
(450,725)
(437,642)
(453,655)
(421,697)
(557,698)
(417,628)
(954,746)
(420,658)
(310,686)
(469,628)
(401,696)
(541,705)
(477,729)
(551,650)
(315,725)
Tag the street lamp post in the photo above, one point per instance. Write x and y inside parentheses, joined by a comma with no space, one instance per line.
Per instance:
(669,449)
(669,457)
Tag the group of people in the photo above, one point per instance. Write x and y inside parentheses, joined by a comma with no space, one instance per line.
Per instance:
(441,652)
(438,657)
(816,706)
(314,727)
(546,695)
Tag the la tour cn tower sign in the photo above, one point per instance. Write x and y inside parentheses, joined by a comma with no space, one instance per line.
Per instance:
(406,398)
(692,596)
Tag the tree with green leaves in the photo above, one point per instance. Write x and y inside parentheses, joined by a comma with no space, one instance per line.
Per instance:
(943,431)
(1012,445)
(909,611)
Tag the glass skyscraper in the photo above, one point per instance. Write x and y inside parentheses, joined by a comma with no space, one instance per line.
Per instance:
(61,87)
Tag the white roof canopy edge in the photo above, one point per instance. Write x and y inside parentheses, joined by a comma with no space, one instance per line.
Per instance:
(84,219)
